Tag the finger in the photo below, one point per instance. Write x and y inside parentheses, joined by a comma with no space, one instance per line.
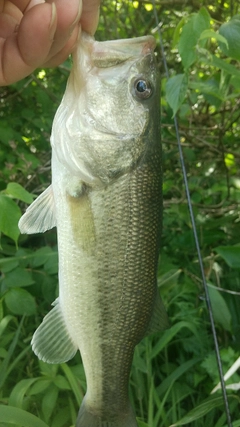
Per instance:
(61,56)
(7,25)
(26,50)
(90,15)
(23,5)
(10,17)
(9,8)
(68,15)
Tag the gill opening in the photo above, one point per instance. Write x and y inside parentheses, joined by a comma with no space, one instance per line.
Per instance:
(204,282)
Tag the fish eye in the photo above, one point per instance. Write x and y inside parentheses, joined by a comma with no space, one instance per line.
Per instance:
(142,88)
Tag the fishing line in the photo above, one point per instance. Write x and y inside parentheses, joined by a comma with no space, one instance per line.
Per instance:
(207,298)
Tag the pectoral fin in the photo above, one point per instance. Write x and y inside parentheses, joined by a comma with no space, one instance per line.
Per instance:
(51,342)
(40,215)
(159,320)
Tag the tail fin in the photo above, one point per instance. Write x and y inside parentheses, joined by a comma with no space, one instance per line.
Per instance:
(89,419)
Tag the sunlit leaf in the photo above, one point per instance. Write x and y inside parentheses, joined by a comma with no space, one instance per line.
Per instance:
(229,160)
(210,34)
(189,37)
(176,89)
(17,191)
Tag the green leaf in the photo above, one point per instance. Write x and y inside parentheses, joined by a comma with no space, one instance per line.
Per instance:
(17,191)
(220,309)
(225,66)
(178,372)
(177,31)
(48,257)
(168,335)
(51,265)
(18,277)
(191,33)
(41,385)
(10,214)
(7,133)
(176,89)
(210,34)
(4,323)
(49,401)
(234,424)
(141,423)
(9,266)
(63,416)
(209,86)
(19,301)
(169,278)
(4,367)
(73,382)
(47,369)
(214,61)
(41,256)
(200,411)
(62,383)
(231,32)
(230,254)
(18,393)
(12,415)
(187,44)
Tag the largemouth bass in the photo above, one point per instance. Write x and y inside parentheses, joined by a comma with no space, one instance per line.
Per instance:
(105,200)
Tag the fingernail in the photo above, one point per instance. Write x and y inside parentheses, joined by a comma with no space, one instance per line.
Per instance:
(53,23)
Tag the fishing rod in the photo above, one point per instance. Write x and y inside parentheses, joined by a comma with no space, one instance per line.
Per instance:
(204,282)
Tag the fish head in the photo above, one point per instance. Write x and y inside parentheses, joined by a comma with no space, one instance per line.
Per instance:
(108,108)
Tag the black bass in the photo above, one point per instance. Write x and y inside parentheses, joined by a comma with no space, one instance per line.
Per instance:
(105,200)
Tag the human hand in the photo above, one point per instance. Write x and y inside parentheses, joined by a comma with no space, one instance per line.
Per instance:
(34,33)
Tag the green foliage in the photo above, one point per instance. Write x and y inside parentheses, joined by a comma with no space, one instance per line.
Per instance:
(174,373)
(176,89)
(231,31)
(196,43)
(16,416)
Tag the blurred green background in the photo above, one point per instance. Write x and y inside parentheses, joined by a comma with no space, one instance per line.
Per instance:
(173,373)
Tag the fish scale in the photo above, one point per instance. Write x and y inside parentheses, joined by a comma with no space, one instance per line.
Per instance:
(106,202)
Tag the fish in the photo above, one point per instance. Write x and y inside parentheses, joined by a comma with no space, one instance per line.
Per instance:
(106,201)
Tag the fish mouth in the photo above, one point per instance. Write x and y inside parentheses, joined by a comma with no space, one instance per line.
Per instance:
(136,46)
(114,52)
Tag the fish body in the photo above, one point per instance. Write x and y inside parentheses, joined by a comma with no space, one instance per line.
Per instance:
(105,200)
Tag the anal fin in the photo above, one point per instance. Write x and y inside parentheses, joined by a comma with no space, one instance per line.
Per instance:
(51,342)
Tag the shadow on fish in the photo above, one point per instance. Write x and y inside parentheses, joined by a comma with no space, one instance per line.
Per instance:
(105,199)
